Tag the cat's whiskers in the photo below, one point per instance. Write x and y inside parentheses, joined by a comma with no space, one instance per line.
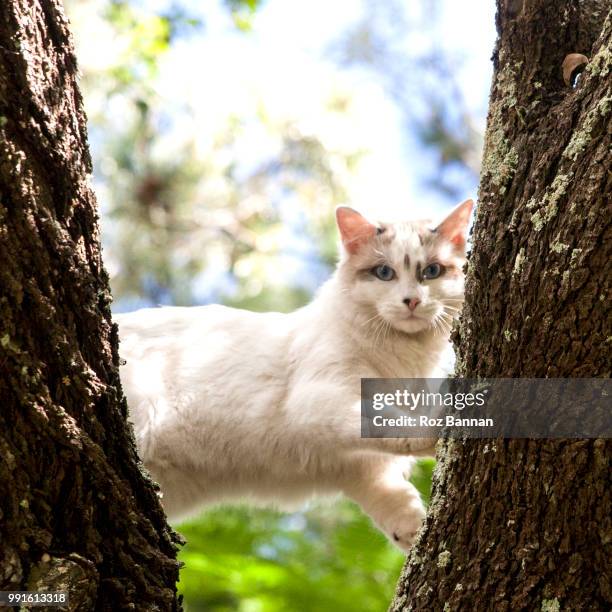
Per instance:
(434,322)
(453,314)
(449,310)
(453,306)
(445,314)
(388,333)
(377,328)
(380,332)
(442,322)
(384,333)
(446,325)
(450,307)
(376,316)
(438,328)
(377,325)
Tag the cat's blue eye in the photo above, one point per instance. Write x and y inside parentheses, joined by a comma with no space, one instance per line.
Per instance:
(432,271)
(384,272)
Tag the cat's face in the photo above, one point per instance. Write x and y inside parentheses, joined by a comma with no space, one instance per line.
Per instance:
(407,275)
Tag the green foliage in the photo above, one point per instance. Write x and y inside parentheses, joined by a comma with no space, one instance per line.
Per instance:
(328,558)
(149,38)
(146,37)
(242,12)
(421,477)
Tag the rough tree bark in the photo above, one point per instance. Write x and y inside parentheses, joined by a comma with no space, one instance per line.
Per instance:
(525,524)
(76,512)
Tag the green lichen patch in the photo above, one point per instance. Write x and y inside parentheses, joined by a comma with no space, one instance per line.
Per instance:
(583,135)
(424,591)
(574,256)
(7,343)
(500,163)
(550,605)
(510,335)
(604,106)
(444,559)
(549,207)
(500,159)
(415,559)
(518,262)
(540,218)
(558,187)
(559,247)
(601,64)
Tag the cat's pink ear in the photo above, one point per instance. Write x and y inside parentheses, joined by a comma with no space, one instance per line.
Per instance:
(454,228)
(355,230)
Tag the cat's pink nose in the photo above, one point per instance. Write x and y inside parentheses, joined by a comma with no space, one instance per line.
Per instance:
(412,303)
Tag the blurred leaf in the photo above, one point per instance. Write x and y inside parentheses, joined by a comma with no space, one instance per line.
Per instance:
(421,477)
(242,12)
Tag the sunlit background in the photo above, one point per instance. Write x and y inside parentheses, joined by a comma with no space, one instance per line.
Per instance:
(223,134)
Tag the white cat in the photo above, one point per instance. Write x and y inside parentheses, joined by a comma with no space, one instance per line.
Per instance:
(230,405)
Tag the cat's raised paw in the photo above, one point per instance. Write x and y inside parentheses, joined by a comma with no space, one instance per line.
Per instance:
(403,530)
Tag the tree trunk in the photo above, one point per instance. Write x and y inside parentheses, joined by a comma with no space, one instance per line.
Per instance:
(76,511)
(525,524)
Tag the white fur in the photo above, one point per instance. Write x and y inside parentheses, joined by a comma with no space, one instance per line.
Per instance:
(230,405)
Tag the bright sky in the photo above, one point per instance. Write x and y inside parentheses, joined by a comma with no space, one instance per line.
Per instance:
(283,64)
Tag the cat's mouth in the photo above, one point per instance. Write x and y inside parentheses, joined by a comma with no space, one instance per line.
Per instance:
(411,323)
(408,321)
(411,316)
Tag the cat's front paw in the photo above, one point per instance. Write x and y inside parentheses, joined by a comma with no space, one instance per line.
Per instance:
(404,526)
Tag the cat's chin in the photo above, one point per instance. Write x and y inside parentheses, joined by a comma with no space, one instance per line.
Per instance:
(412,325)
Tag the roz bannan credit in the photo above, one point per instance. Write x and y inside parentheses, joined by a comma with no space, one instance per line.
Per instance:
(425,421)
